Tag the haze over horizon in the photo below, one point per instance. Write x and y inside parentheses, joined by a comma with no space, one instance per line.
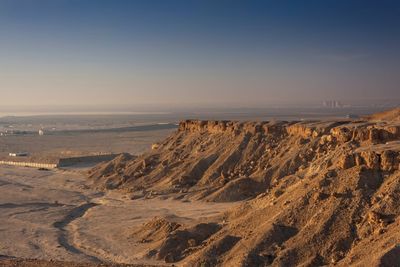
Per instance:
(162,54)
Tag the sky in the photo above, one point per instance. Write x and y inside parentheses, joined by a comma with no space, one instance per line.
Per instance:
(204,53)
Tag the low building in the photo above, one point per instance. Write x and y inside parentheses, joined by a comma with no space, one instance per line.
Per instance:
(18,154)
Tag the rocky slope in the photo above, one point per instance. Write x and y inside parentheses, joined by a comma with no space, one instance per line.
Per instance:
(316,193)
(389,115)
(7,262)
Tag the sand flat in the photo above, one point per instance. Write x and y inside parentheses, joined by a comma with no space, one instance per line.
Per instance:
(55,215)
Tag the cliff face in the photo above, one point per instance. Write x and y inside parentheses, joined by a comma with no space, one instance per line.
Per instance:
(320,193)
(205,159)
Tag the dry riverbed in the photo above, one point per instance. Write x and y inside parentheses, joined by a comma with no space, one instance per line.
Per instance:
(55,215)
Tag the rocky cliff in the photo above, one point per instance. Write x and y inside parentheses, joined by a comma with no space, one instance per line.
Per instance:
(317,193)
(228,161)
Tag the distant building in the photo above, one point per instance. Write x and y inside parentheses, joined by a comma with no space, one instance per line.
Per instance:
(13,132)
(18,154)
(332,104)
(352,116)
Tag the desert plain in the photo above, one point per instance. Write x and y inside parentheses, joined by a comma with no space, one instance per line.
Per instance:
(55,215)
(217,193)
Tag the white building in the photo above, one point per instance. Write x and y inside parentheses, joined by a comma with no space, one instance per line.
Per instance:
(18,154)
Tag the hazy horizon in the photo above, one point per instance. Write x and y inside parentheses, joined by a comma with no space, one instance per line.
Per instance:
(163,55)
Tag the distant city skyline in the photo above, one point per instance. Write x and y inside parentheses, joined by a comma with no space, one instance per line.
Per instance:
(190,54)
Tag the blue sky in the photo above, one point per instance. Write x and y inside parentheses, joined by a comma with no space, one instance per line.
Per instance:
(203,53)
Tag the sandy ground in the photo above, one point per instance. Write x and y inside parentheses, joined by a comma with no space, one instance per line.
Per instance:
(54,215)
(49,148)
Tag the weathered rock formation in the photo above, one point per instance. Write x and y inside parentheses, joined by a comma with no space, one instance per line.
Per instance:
(317,193)
(389,115)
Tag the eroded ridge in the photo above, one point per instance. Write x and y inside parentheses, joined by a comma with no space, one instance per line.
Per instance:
(317,192)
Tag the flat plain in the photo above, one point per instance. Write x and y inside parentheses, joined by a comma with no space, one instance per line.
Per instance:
(54,215)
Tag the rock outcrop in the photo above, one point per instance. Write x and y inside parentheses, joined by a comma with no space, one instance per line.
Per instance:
(208,157)
(389,115)
(314,193)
